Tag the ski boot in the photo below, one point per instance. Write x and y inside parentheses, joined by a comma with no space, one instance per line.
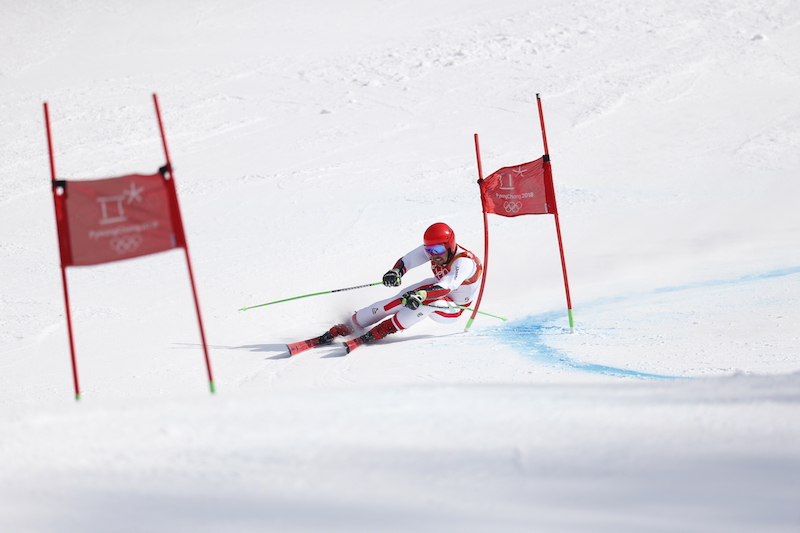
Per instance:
(339,330)
(383,329)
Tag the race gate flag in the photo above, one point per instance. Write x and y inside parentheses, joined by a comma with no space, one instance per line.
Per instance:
(115,218)
(111,219)
(525,189)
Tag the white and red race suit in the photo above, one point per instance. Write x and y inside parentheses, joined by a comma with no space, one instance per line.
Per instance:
(453,286)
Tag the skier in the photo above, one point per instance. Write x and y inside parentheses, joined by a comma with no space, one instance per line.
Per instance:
(456,272)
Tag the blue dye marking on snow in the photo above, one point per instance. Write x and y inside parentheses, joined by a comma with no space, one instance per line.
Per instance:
(733,281)
(526,336)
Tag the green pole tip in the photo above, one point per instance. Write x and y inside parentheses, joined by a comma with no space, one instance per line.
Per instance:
(211,386)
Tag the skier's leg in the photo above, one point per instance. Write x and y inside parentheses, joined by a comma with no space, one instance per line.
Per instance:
(448,315)
(440,311)
(376,312)
(387,327)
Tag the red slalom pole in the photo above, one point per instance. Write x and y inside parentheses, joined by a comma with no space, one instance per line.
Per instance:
(485,237)
(63,246)
(541,122)
(182,237)
(549,174)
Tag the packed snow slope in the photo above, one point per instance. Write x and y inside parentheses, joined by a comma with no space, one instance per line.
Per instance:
(313,143)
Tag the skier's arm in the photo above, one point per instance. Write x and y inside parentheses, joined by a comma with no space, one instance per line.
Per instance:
(393,277)
(412,259)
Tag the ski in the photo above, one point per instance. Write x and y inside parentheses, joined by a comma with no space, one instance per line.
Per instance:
(323,340)
(352,344)
(297,347)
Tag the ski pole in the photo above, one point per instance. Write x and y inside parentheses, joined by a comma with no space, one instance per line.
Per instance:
(504,319)
(313,294)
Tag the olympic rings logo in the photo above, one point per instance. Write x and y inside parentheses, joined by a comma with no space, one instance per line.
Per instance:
(512,207)
(126,244)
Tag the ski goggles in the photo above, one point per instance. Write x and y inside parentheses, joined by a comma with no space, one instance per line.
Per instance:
(436,249)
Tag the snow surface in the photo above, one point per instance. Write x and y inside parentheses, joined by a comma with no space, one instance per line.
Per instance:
(313,142)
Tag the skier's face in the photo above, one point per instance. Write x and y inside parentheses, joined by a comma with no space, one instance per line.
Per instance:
(438,254)
(439,260)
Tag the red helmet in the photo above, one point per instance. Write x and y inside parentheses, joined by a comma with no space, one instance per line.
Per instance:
(440,233)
